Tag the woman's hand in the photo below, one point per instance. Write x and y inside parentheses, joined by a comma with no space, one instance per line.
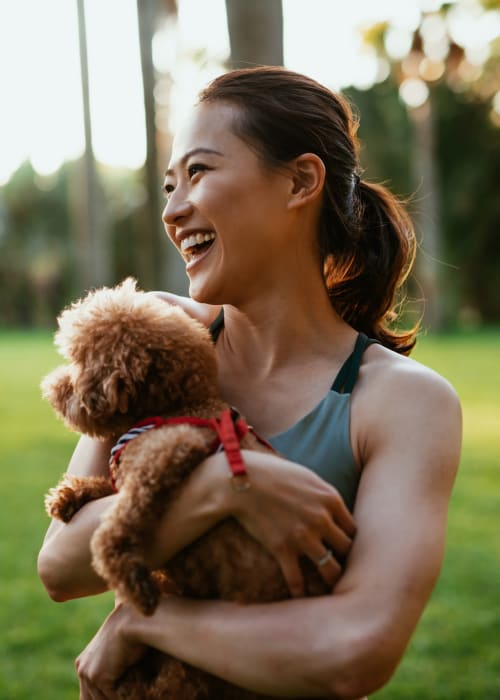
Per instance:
(107,656)
(292,512)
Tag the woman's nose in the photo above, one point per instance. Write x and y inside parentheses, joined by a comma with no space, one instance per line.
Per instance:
(176,209)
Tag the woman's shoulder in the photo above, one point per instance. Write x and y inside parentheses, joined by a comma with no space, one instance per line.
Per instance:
(401,401)
(204,313)
(400,376)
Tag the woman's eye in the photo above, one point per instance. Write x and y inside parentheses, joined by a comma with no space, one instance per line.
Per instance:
(167,190)
(196,168)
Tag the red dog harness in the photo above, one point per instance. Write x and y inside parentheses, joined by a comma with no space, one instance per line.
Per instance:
(230,429)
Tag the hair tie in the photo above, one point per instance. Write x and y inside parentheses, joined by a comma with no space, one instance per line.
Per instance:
(357,179)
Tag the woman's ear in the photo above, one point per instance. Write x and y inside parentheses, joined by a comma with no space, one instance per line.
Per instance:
(308,178)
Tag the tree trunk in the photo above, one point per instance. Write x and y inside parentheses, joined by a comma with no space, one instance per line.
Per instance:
(161,266)
(89,216)
(255,32)
(428,223)
(153,252)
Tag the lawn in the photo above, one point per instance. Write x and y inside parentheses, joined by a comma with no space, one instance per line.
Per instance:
(455,654)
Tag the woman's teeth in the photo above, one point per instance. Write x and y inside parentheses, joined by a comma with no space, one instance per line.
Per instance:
(196,239)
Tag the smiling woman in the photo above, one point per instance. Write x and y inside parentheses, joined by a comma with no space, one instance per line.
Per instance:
(295,262)
(218,187)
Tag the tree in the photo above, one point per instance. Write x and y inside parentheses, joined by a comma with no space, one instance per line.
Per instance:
(152,249)
(159,264)
(255,32)
(435,68)
(89,218)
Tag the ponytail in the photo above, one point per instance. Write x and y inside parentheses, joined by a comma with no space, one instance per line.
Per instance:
(366,238)
(365,273)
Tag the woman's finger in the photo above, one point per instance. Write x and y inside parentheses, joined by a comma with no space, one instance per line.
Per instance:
(328,567)
(337,539)
(291,570)
(340,513)
(90,687)
(90,692)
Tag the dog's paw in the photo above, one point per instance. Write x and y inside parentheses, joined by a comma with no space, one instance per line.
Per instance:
(61,503)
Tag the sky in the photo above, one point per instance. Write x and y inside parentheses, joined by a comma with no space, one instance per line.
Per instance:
(40,89)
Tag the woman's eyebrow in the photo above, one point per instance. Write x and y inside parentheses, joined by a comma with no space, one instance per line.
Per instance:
(190,153)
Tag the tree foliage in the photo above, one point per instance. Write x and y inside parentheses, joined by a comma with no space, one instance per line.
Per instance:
(467,158)
(39,254)
(451,110)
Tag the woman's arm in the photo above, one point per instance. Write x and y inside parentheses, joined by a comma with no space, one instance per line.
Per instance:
(288,508)
(348,644)
(64,561)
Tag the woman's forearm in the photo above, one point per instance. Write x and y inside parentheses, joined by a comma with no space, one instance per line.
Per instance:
(295,648)
(65,561)
(203,501)
(206,498)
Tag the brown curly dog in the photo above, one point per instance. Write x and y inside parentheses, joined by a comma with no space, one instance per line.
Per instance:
(132,356)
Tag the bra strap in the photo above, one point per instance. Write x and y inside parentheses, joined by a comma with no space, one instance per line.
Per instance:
(346,378)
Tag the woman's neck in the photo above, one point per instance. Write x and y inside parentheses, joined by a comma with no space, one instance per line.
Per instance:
(276,330)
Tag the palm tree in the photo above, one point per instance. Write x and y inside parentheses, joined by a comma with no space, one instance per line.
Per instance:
(152,247)
(89,218)
(255,32)
(161,267)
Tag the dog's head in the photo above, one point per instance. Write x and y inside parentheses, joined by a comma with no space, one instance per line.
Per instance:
(131,355)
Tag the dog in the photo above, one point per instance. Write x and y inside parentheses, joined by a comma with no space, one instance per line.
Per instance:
(135,360)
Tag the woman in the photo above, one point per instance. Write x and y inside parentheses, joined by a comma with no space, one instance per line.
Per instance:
(265,204)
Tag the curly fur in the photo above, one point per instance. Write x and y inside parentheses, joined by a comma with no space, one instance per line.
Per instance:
(131,356)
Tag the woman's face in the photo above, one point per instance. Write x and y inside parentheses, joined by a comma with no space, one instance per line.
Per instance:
(226,212)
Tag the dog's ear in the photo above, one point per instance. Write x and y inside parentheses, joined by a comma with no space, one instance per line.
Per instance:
(117,392)
(59,390)
(109,395)
(82,401)
(102,402)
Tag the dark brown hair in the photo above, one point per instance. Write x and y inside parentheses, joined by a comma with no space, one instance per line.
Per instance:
(366,237)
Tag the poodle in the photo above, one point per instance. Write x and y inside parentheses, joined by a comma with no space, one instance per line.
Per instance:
(136,361)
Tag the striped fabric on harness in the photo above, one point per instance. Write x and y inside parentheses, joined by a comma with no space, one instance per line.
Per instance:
(134,432)
(230,428)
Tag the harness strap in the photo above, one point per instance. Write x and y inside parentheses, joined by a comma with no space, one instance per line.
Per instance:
(230,429)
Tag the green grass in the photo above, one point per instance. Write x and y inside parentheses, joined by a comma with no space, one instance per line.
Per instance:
(40,639)
(455,653)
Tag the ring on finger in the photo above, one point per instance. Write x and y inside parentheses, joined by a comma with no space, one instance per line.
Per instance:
(325,558)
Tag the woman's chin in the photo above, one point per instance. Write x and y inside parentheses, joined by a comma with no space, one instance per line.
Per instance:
(201,292)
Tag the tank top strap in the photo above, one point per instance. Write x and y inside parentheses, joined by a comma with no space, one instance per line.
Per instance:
(217,325)
(346,378)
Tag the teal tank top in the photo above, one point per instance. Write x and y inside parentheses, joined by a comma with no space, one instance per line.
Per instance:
(321,439)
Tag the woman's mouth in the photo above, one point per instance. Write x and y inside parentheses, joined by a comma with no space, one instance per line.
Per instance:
(196,244)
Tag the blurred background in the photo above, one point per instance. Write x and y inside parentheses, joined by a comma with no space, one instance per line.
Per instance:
(91,92)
